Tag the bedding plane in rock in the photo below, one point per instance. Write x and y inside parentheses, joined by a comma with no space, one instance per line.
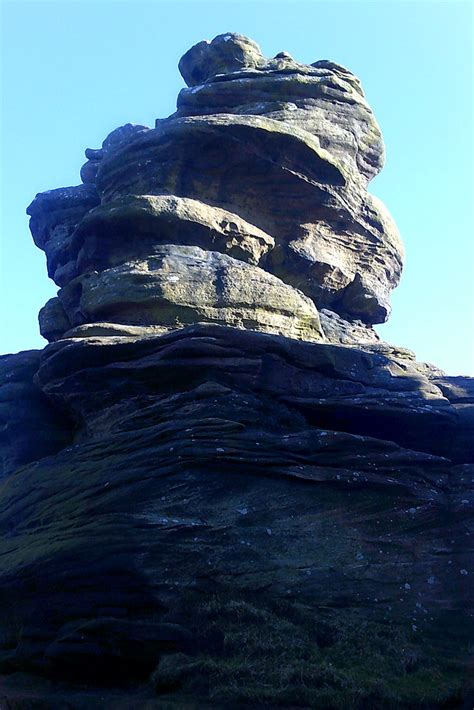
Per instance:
(218,486)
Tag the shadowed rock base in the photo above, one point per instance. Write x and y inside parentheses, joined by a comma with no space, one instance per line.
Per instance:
(213,537)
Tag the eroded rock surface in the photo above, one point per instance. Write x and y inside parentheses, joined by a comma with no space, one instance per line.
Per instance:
(231,75)
(180,285)
(266,160)
(30,426)
(217,471)
(219,487)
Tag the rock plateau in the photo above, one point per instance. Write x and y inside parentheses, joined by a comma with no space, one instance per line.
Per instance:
(218,486)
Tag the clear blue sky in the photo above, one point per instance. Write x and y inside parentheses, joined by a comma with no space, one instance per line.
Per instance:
(73,71)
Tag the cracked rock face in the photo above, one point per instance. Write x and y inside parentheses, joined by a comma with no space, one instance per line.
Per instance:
(265,160)
(218,488)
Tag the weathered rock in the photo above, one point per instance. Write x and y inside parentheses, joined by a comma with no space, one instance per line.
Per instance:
(114,140)
(349,265)
(335,387)
(132,226)
(266,159)
(200,489)
(119,136)
(190,155)
(196,503)
(30,426)
(53,320)
(54,217)
(89,330)
(180,285)
(343,332)
(460,392)
(280,180)
(230,75)
(226,53)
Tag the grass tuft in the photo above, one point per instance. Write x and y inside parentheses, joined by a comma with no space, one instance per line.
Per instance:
(288,655)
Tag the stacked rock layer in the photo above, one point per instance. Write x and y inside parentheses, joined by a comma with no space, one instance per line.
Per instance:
(264,167)
(218,487)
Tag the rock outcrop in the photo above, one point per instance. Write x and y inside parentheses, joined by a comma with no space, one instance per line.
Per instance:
(218,486)
(266,161)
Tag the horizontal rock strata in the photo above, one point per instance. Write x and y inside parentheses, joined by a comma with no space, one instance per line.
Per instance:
(266,160)
(181,285)
(214,463)
(219,488)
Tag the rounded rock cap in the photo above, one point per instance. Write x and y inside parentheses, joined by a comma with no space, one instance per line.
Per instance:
(225,53)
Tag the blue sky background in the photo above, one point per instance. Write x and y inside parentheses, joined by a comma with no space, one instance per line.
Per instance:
(73,71)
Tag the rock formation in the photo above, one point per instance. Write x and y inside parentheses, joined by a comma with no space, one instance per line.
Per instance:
(219,486)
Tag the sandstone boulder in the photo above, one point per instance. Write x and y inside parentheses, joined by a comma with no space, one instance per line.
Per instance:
(266,160)
(225,53)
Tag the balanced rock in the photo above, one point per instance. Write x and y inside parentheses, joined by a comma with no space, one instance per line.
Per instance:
(266,160)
